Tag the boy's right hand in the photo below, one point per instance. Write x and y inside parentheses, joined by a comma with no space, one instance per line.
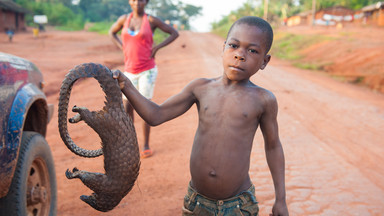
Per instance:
(279,209)
(121,78)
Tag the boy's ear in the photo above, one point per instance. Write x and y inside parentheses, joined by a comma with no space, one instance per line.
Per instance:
(267,58)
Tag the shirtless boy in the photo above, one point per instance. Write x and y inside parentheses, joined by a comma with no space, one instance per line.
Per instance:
(230,109)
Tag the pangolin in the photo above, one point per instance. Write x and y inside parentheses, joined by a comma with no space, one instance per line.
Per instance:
(117,134)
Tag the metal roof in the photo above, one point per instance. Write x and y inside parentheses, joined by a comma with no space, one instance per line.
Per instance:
(373,7)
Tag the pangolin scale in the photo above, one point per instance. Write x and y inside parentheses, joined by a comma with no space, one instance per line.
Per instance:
(118,139)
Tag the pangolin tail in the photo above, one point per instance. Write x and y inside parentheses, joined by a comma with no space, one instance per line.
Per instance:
(104,76)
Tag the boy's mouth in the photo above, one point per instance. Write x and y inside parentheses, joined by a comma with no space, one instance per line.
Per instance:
(235,67)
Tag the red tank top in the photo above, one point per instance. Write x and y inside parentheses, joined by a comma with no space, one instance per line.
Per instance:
(137,48)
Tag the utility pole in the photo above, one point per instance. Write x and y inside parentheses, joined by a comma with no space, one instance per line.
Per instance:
(265,9)
(313,12)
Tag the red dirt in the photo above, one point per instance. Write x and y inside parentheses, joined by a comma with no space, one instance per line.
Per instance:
(352,54)
(332,132)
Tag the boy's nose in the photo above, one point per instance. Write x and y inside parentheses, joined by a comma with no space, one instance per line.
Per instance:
(239,57)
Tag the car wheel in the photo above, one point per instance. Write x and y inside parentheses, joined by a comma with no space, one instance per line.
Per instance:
(33,188)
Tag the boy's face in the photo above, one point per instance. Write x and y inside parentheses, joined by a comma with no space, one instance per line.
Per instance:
(244,52)
(138,5)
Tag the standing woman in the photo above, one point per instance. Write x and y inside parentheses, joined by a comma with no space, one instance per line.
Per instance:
(139,53)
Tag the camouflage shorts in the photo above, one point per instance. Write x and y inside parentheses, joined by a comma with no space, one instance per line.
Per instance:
(243,204)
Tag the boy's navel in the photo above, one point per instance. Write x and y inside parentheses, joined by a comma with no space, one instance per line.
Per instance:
(212,173)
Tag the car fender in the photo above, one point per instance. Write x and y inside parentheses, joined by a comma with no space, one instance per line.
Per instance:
(24,99)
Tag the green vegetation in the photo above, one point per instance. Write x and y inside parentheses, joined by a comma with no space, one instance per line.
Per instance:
(278,10)
(358,80)
(308,66)
(100,27)
(288,47)
(221,28)
(103,28)
(159,36)
(65,15)
(175,11)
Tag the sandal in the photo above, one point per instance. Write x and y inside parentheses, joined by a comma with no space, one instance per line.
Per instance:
(146,153)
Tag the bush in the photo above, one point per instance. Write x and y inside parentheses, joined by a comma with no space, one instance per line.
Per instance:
(100,27)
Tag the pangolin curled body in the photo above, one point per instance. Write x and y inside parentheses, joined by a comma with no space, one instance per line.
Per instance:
(117,134)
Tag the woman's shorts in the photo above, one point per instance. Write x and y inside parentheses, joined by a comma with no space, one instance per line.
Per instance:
(144,82)
(243,204)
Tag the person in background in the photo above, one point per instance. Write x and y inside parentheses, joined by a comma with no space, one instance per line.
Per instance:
(10,32)
(137,29)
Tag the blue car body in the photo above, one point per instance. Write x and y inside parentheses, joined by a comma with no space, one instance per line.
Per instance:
(21,84)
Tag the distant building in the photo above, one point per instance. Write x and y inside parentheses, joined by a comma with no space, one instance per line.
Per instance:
(303,18)
(334,15)
(371,14)
(12,16)
(326,17)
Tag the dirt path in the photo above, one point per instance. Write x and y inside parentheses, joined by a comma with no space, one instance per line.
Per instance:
(332,133)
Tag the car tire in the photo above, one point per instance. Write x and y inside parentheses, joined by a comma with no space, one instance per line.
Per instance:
(33,188)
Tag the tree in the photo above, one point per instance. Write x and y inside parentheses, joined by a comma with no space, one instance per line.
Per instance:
(57,13)
(164,9)
(321,4)
(64,12)
(179,13)
(186,12)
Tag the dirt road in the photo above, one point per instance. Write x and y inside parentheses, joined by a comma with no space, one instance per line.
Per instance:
(332,133)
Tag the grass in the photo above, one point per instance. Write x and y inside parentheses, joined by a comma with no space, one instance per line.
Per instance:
(159,36)
(222,30)
(308,66)
(358,80)
(311,65)
(100,27)
(288,46)
(68,28)
(103,28)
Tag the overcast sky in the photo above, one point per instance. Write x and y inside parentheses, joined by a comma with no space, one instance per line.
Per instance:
(213,10)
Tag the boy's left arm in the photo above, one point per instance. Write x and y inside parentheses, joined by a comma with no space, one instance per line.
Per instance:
(274,154)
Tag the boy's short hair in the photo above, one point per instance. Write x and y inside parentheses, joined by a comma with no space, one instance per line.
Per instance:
(261,24)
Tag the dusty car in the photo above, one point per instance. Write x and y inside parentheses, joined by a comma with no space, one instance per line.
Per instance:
(27,171)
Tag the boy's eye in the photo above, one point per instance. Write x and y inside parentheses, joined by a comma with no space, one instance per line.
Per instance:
(232,45)
(252,51)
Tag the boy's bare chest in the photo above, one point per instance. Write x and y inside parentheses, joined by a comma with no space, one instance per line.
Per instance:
(230,107)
